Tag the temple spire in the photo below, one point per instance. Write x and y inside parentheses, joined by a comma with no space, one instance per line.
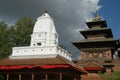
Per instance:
(97,17)
(45,11)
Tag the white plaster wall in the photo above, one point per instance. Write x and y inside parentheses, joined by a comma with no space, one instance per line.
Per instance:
(18,51)
(44,31)
(38,52)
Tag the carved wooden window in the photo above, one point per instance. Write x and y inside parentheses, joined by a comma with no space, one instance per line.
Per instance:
(100,55)
(90,55)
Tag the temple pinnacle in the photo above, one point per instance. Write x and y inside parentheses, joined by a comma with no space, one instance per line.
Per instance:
(45,11)
(97,17)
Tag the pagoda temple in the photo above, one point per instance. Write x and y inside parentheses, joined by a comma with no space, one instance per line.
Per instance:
(44,59)
(98,47)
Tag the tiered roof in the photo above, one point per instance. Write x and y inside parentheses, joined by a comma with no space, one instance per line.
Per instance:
(96,43)
(96,31)
(98,35)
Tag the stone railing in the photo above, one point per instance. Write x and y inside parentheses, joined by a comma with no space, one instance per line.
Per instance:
(64,53)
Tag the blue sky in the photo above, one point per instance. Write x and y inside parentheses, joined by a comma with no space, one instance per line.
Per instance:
(110,11)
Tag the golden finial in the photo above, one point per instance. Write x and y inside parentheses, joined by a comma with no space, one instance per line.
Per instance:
(97,17)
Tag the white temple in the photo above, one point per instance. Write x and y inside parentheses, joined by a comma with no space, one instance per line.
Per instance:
(44,42)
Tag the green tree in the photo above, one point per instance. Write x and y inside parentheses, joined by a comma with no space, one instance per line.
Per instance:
(23,29)
(16,35)
(5,42)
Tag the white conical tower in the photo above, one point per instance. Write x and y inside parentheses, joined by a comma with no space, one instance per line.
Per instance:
(44,42)
(44,33)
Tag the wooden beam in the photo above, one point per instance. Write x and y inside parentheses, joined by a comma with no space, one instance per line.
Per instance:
(46,76)
(7,76)
(60,74)
(19,76)
(33,76)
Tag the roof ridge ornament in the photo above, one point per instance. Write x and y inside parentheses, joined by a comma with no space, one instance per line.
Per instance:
(97,17)
(46,11)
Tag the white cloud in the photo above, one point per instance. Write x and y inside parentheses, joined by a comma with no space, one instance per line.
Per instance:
(88,7)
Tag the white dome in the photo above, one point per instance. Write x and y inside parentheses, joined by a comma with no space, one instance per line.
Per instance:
(44,24)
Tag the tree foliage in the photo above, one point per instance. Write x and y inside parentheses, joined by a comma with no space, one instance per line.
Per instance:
(16,35)
(5,42)
(23,30)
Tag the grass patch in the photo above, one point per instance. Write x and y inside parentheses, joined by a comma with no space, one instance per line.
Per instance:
(113,76)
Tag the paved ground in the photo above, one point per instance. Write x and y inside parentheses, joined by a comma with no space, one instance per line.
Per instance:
(91,76)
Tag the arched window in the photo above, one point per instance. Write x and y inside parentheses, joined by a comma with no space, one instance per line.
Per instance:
(90,55)
(100,55)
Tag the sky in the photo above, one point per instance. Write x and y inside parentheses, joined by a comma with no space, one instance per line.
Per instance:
(69,15)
